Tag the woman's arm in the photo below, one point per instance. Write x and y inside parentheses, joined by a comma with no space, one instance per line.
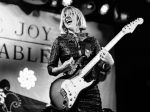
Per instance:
(53,68)
(106,61)
(66,66)
(102,68)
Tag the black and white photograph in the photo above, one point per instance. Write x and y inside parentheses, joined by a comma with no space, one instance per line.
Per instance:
(74,55)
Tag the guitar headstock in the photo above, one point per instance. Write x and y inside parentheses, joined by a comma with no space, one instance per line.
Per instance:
(129,28)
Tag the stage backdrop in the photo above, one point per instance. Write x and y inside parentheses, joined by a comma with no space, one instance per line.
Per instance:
(25,44)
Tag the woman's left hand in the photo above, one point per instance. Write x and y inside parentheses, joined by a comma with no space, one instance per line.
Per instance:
(106,56)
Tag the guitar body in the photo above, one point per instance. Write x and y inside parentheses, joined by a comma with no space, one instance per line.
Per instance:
(64,91)
(57,98)
(62,87)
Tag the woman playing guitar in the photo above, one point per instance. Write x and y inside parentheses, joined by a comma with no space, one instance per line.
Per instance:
(75,49)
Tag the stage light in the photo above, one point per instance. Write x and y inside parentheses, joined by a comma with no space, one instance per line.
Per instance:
(54,3)
(120,16)
(88,7)
(116,15)
(123,16)
(66,2)
(104,9)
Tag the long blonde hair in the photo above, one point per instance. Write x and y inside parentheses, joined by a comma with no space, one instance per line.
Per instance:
(81,23)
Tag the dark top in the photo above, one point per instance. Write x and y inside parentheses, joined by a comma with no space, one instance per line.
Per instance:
(66,46)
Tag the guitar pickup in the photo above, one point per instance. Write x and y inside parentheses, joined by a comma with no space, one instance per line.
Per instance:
(63,93)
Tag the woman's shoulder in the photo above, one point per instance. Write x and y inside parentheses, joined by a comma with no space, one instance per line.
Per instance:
(90,38)
(63,37)
(60,37)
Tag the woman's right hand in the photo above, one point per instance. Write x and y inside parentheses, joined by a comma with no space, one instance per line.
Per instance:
(67,65)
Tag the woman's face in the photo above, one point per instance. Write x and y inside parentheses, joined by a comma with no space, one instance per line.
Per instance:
(70,20)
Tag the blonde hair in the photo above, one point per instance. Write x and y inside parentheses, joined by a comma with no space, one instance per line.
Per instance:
(81,23)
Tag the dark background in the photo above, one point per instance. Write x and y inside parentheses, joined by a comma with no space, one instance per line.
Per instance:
(132,62)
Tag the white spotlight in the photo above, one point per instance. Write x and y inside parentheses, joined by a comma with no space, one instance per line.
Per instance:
(104,9)
(54,3)
(124,16)
(90,5)
(66,2)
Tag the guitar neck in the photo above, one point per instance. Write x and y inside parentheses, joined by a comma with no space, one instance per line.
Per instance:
(96,59)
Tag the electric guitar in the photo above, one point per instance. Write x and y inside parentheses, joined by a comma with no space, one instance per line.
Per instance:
(64,92)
